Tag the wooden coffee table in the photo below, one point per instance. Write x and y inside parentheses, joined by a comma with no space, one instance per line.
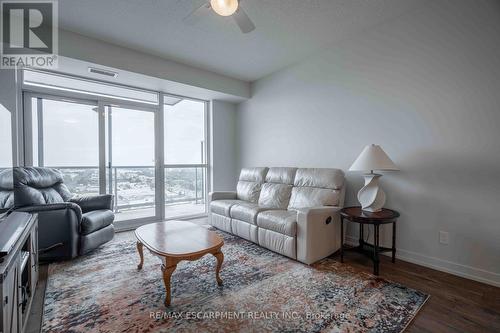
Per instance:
(173,241)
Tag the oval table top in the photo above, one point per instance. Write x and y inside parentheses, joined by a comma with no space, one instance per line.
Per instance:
(356,214)
(178,238)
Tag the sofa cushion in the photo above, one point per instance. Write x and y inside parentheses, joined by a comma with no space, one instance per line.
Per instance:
(255,175)
(281,221)
(39,186)
(6,180)
(322,178)
(303,197)
(249,183)
(244,230)
(6,189)
(248,191)
(6,199)
(275,195)
(246,212)
(96,220)
(222,207)
(281,175)
(94,240)
(278,242)
(221,222)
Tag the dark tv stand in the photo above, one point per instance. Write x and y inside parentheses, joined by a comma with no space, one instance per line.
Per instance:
(18,269)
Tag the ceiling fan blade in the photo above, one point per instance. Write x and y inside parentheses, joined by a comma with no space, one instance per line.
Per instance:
(243,21)
(197,13)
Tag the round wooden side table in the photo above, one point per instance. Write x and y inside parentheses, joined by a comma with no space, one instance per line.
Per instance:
(357,215)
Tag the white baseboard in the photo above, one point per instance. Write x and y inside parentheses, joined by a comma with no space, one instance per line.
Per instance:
(446,266)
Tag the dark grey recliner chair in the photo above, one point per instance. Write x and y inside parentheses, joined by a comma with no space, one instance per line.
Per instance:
(6,190)
(68,225)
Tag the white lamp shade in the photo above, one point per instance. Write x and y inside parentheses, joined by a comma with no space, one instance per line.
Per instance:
(373,158)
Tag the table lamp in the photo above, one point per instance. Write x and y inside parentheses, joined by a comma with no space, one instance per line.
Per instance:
(371,197)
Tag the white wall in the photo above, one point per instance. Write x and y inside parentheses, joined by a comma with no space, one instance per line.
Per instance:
(223,137)
(425,86)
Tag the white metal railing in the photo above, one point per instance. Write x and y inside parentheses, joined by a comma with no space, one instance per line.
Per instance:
(183,195)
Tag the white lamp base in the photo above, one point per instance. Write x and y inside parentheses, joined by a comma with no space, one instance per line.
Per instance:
(371,197)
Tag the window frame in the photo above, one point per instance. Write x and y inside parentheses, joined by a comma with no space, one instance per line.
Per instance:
(26,153)
(90,94)
(206,165)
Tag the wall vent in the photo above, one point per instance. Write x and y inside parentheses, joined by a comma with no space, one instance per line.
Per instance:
(102,72)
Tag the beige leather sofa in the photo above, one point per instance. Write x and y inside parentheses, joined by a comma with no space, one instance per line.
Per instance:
(292,211)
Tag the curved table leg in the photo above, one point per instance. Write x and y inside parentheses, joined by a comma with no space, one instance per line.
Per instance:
(167,274)
(220,259)
(141,254)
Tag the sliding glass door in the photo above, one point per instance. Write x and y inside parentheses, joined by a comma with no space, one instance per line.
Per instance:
(114,153)
(131,161)
(152,159)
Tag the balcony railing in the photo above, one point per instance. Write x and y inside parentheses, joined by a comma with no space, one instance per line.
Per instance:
(134,186)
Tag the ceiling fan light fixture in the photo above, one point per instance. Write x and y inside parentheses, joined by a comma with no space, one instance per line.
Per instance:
(224,7)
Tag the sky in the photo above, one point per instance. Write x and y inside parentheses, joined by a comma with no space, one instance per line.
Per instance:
(70,134)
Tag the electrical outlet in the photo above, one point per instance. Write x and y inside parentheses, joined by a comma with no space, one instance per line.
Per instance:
(444,237)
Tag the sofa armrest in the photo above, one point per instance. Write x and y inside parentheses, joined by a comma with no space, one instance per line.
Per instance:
(212,196)
(51,207)
(59,228)
(318,233)
(90,203)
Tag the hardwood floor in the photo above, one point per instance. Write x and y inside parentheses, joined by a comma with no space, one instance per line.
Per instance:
(456,304)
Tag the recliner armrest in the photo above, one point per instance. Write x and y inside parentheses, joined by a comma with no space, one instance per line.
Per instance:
(221,196)
(311,211)
(50,207)
(90,203)
(317,233)
(59,227)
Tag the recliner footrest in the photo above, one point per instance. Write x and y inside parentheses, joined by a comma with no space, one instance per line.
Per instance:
(94,240)
(96,220)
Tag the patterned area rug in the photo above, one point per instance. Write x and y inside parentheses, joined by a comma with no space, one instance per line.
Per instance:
(262,291)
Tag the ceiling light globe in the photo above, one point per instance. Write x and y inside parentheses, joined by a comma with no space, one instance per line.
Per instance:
(224,7)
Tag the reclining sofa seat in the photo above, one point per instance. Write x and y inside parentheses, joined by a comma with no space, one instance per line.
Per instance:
(297,212)
(273,194)
(247,191)
(277,226)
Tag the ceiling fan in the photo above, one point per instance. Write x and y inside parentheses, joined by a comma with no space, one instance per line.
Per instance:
(223,8)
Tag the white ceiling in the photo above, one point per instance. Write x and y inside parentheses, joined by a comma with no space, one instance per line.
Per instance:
(287,30)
